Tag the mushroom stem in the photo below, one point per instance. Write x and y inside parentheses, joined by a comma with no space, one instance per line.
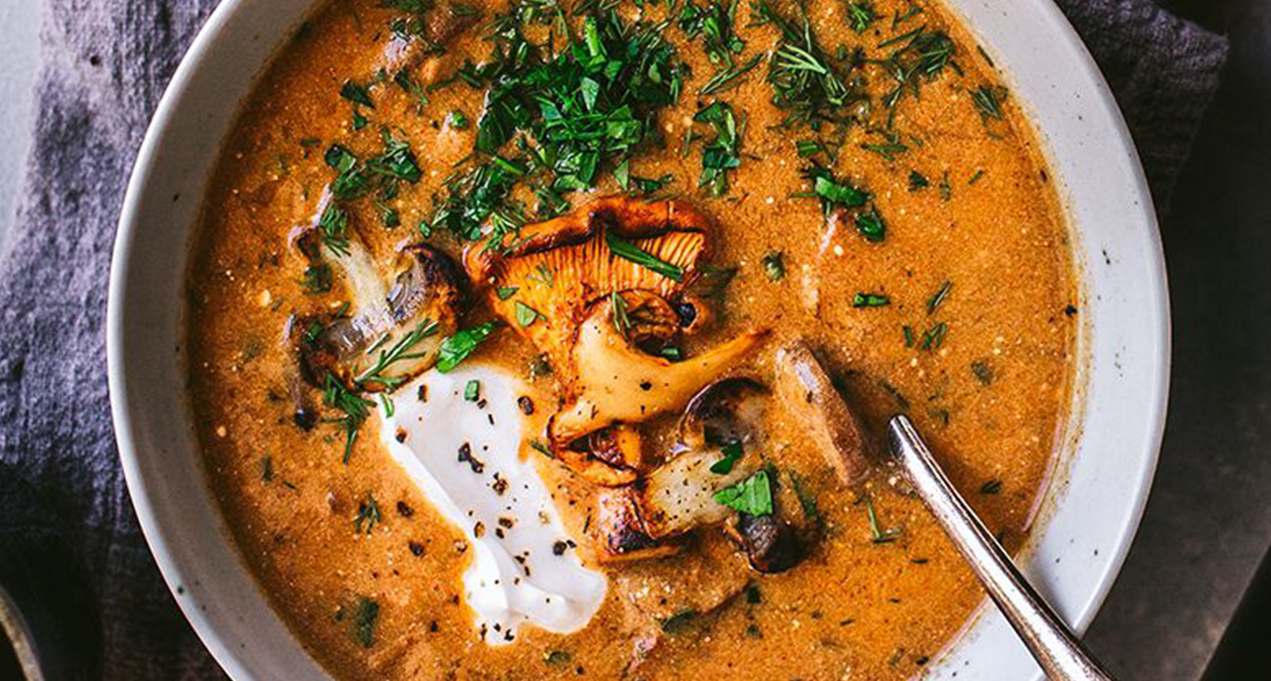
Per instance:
(619,383)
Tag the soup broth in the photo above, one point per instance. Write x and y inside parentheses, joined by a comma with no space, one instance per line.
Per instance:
(687,190)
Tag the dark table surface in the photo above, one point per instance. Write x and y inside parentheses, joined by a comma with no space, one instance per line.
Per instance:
(1209,519)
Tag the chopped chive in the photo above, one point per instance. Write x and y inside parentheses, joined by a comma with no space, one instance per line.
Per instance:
(870,300)
(936,300)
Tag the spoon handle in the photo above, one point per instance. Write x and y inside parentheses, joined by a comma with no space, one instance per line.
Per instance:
(1059,653)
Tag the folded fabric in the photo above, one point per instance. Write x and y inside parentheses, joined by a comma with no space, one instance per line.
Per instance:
(106,63)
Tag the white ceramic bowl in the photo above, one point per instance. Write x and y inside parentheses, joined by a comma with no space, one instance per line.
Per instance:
(1088,518)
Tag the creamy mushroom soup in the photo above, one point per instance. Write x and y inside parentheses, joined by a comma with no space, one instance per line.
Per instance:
(547,339)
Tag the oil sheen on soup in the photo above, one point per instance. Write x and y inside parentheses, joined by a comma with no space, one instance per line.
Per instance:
(554,339)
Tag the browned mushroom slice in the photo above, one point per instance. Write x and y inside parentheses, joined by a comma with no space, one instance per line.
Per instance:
(610,456)
(622,535)
(615,382)
(558,286)
(394,327)
(421,40)
(720,436)
(561,267)
(807,393)
(780,540)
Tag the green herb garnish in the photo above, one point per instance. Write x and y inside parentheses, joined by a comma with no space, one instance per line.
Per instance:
(357,94)
(879,536)
(993,486)
(679,622)
(402,350)
(870,300)
(805,81)
(368,515)
(939,297)
(722,153)
(365,620)
(988,101)
(871,226)
(982,371)
(774,265)
(752,495)
(525,315)
(629,251)
(317,279)
(354,407)
(861,15)
(456,348)
(558,657)
(732,453)
(714,23)
(472,390)
(934,338)
(917,181)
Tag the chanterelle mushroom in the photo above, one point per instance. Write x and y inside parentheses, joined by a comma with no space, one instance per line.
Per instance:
(393,327)
(592,290)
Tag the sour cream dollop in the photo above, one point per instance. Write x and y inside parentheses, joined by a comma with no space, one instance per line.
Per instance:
(460,438)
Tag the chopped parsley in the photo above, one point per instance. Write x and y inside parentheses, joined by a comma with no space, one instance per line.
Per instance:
(573,112)
(357,94)
(752,495)
(455,349)
(722,153)
(871,226)
(993,486)
(833,193)
(917,181)
(525,315)
(870,300)
(732,453)
(472,391)
(713,22)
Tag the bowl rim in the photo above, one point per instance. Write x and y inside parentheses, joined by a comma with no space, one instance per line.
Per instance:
(213,33)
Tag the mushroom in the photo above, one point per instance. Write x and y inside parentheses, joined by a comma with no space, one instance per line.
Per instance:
(426,38)
(807,392)
(621,531)
(679,495)
(594,290)
(394,329)
(777,541)
(719,438)
(616,382)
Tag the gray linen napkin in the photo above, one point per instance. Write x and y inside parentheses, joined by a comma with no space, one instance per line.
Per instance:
(106,63)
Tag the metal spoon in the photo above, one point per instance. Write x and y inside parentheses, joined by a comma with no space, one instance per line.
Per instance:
(1056,649)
